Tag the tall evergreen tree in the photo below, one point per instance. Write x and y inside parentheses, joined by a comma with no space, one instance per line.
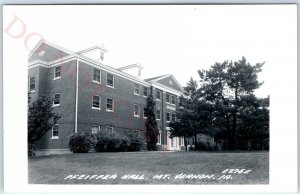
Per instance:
(151,124)
(41,119)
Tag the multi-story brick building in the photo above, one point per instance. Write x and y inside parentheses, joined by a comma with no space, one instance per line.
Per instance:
(91,96)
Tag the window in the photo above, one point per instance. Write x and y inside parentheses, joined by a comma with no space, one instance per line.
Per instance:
(101,56)
(136,111)
(145,92)
(32,84)
(168,117)
(173,117)
(110,80)
(182,141)
(157,114)
(172,99)
(56,99)
(95,128)
(109,129)
(55,131)
(137,132)
(109,105)
(158,95)
(136,89)
(159,138)
(172,142)
(168,98)
(145,112)
(97,75)
(57,72)
(96,102)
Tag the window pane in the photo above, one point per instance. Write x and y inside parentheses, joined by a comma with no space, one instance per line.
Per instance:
(145,112)
(167,97)
(173,100)
(57,71)
(109,104)
(32,83)
(56,99)
(96,76)
(158,95)
(110,80)
(168,116)
(157,114)
(136,110)
(55,131)
(145,91)
(96,101)
(136,89)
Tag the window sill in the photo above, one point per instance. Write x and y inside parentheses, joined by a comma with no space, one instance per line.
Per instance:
(136,116)
(32,91)
(56,78)
(145,96)
(158,119)
(94,108)
(136,94)
(55,105)
(54,138)
(113,87)
(96,82)
(145,117)
(109,110)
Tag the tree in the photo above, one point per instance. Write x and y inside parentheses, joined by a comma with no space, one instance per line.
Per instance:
(40,120)
(151,124)
(224,85)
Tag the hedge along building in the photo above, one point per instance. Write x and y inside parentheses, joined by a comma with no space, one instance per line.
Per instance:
(91,96)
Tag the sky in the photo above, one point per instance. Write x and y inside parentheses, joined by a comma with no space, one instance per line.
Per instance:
(176,40)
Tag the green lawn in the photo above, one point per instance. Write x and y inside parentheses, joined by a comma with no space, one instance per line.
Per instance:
(205,167)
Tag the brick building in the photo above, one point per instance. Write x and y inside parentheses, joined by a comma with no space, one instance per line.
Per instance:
(91,96)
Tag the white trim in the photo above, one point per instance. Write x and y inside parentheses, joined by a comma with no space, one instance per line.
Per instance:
(100,102)
(113,86)
(167,89)
(113,105)
(76,97)
(55,105)
(55,78)
(95,81)
(54,137)
(165,76)
(137,116)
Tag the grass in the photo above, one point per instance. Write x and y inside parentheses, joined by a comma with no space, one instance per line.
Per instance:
(54,169)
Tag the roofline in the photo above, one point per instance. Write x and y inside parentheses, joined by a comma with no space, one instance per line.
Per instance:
(130,66)
(168,75)
(90,49)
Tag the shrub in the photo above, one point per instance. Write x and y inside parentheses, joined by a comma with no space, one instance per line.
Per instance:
(80,142)
(107,142)
(31,150)
(136,142)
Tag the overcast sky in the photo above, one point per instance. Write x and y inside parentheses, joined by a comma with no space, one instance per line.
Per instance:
(176,40)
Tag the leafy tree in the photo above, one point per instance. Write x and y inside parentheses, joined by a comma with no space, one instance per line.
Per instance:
(40,120)
(151,124)
(224,86)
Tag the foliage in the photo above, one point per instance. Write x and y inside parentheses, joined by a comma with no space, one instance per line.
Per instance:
(227,86)
(80,142)
(41,119)
(151,124)
(111,142)
(32,150)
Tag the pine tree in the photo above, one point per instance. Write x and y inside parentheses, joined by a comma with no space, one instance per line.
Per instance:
(151,124)
(40,120)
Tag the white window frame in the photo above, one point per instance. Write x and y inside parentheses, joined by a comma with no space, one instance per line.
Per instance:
(144,91)
(30,84)
(54,105)
(138,89)
(182,141)
(54,137)
(168,101)
(113,107)
(138,110)
(55,78)
(172,117)
(159,114)
(94,127)
(168,121)
(159,95)
(144,113)
(109,128)
(95,81)
(159,138)
(113,85)
(173,98)
(96,108)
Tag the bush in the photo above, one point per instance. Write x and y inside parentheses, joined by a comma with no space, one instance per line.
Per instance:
(80,143)
(107,142)
(136,142)
(31,150)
